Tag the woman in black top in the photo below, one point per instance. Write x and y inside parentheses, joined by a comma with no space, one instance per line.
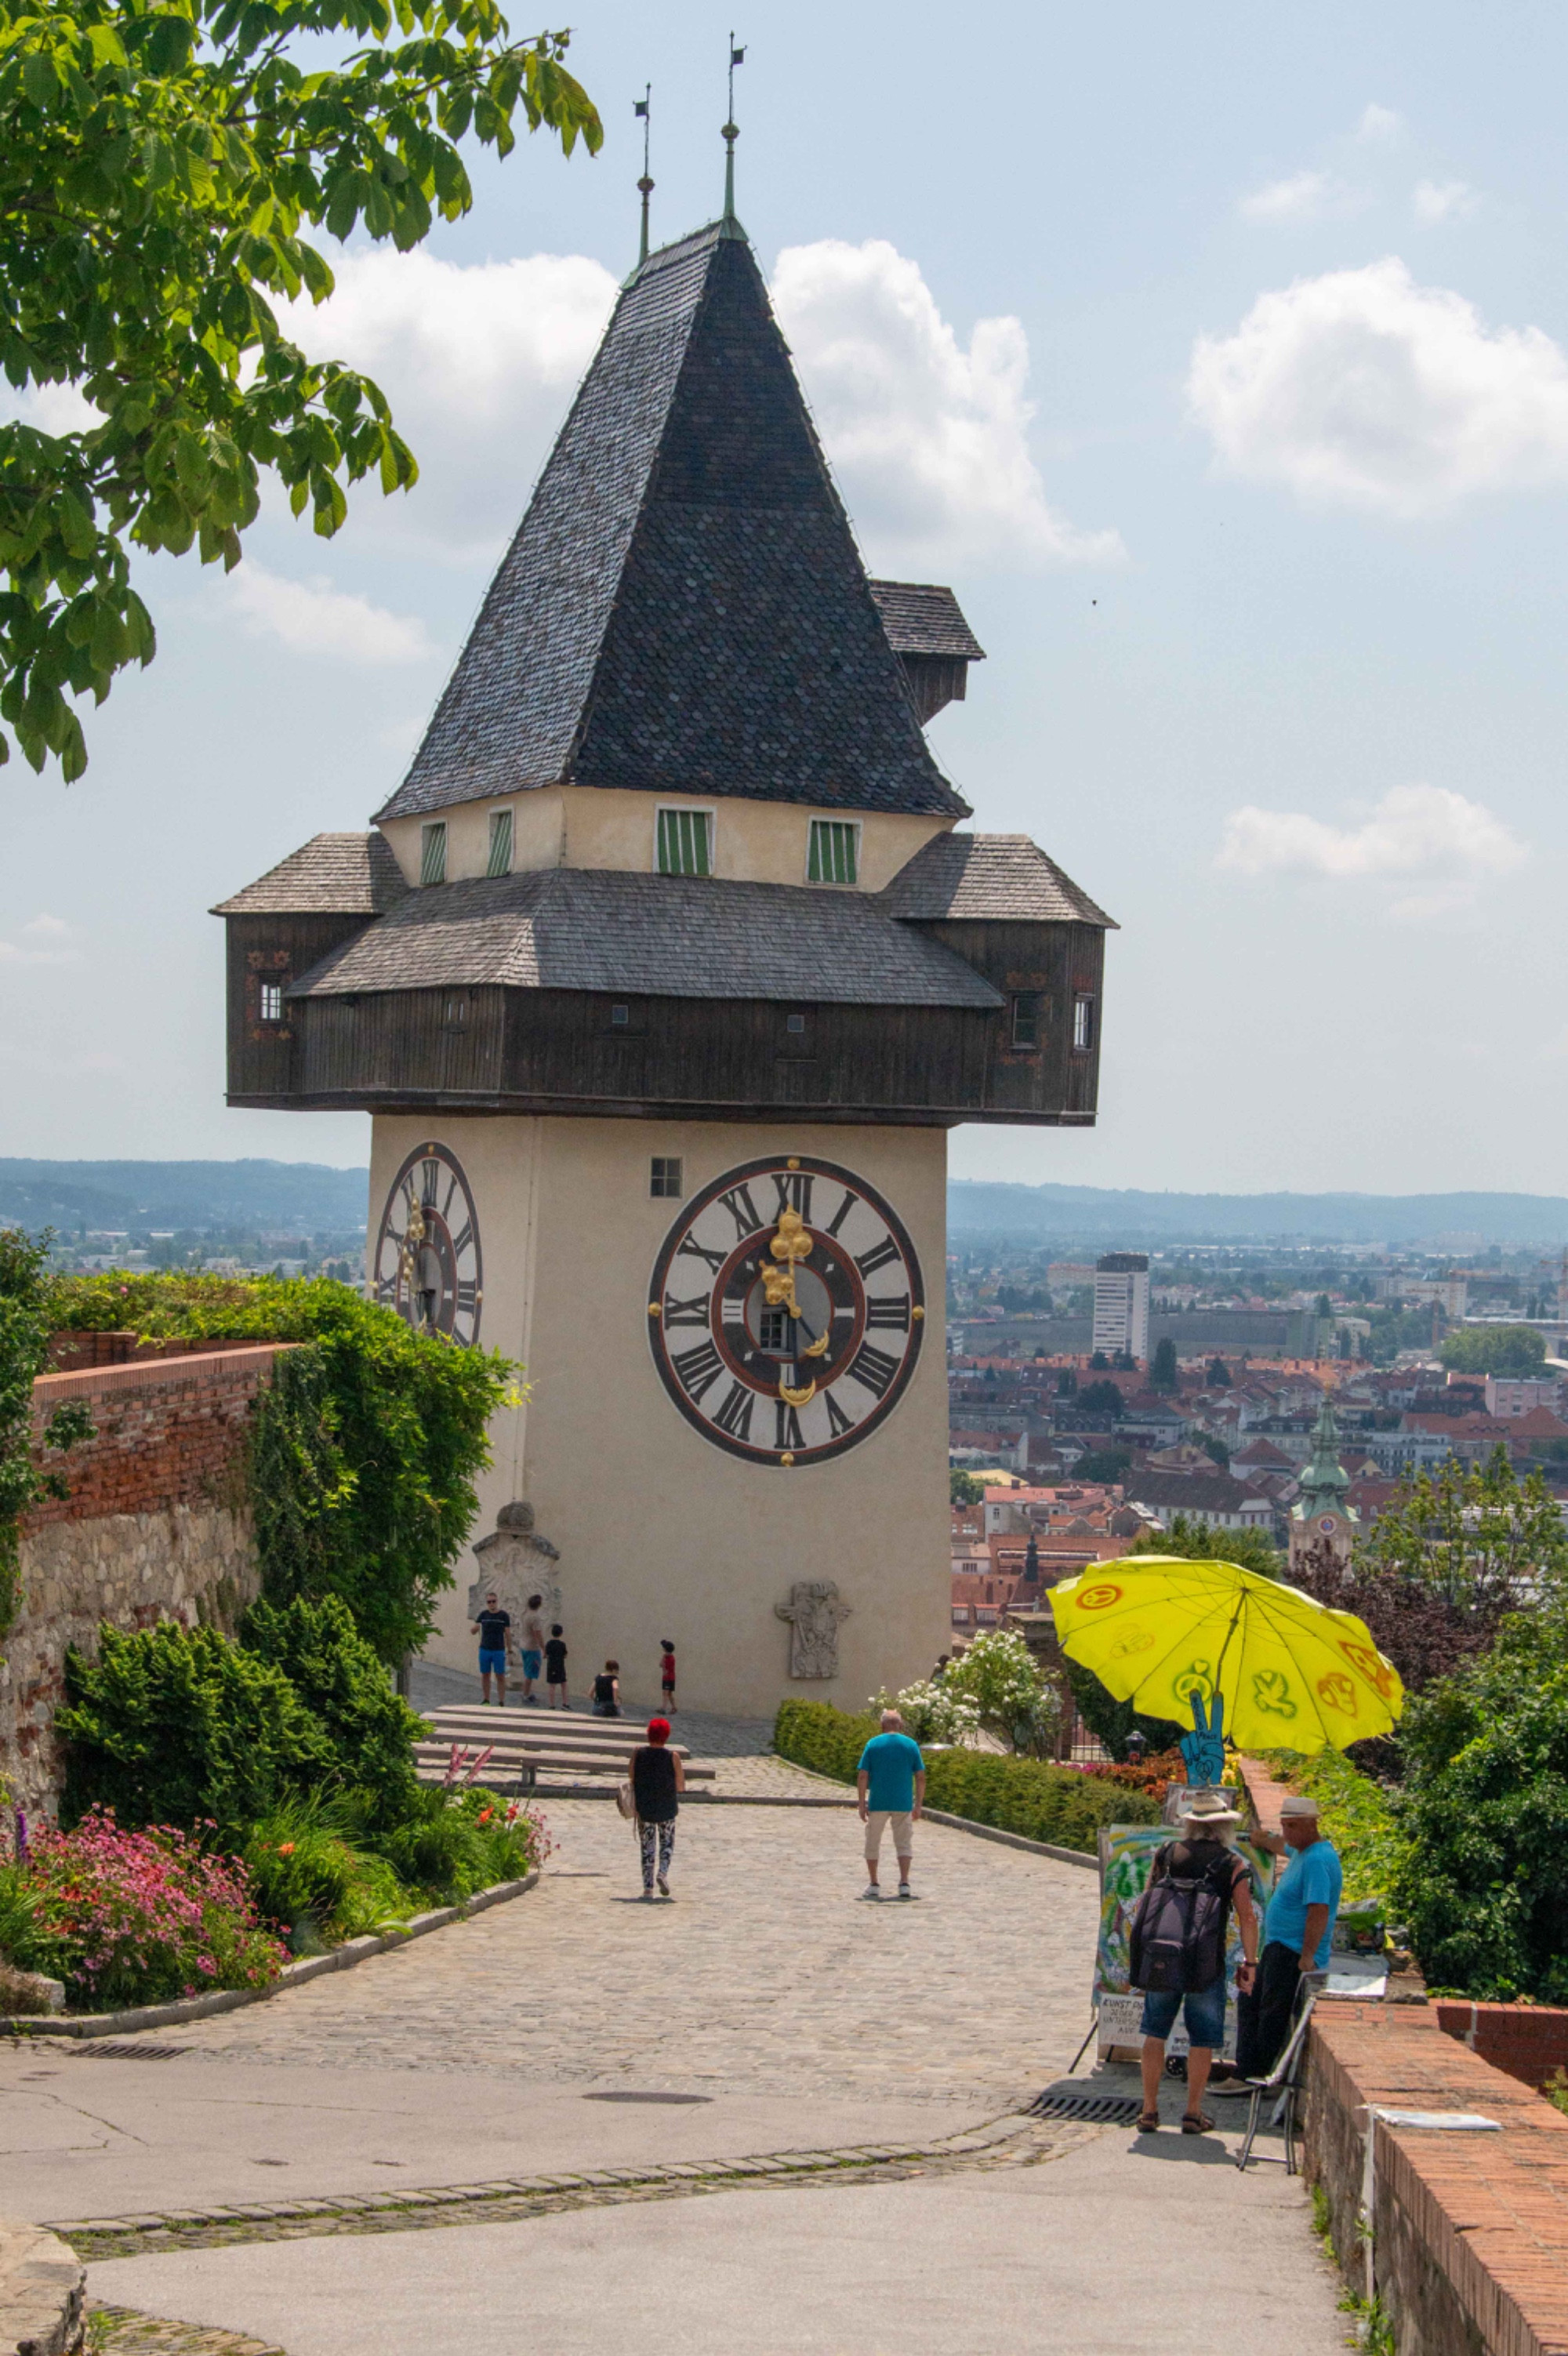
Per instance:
(658,1779)
(606,1702)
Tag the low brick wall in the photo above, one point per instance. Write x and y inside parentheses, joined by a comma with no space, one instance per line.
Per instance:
(157,1526)
(1470,2246)
(1528,2041)
(43,2293)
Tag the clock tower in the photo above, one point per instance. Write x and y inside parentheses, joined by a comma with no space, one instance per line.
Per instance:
(663,974)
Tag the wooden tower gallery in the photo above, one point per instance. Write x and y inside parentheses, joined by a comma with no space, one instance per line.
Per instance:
(664,975)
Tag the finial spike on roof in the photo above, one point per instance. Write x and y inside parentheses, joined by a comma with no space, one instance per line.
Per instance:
(643,106)
(730,226)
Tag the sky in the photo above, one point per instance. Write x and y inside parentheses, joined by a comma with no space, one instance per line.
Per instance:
(1218,360)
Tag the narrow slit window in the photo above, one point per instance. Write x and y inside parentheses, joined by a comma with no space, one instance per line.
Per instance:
(620,1017)
(1026,1019)
(271,1002)
(834,854)
(685,842)
(1083,1024)
(664,1178)
(500,843)
(796,1025)
(433,852)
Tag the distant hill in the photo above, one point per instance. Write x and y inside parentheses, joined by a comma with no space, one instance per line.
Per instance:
(303,1196)
(1128,1218)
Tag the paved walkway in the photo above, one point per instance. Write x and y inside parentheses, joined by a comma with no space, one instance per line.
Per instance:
(805,2021)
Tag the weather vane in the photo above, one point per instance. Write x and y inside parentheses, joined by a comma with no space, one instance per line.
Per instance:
(730,131)
(644,107)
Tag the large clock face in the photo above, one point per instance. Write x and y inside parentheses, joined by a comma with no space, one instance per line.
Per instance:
(427,1264)
(786,1310)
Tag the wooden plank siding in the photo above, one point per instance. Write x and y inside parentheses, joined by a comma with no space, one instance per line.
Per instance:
(555,1050)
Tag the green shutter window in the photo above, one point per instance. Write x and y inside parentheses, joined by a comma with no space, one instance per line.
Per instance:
(684,847)
(500,843)
(433,852)
(833,859)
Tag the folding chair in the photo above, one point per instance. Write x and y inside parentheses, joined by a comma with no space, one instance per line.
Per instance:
(1283,2081)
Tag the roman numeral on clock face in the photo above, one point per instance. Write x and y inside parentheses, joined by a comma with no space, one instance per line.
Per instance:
(879,1255)
(685,1313)
(838,1422)
(892,1311)
(873,1368)
(786,1432)
(697,1370)
(689,1248)
(735,1415)
(743,1211)
(793,1188)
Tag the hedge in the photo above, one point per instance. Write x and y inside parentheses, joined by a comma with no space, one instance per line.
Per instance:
(1059,1804)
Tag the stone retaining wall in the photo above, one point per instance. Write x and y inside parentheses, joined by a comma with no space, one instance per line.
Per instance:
(1470,2230)
(43,2297)
(1528,2041)
(157,1526)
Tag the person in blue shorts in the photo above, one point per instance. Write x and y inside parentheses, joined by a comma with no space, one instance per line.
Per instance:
(891,1781)
(532,1649)
(490,1628)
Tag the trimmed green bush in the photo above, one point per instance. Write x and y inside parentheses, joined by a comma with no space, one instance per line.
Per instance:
(343,1686)
(180,1726)
(1029,1796)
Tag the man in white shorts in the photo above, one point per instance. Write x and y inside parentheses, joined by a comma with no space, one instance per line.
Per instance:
(891,1781)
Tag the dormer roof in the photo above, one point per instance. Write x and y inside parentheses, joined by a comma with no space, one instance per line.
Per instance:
(956,877)
(684,610)
(331,875)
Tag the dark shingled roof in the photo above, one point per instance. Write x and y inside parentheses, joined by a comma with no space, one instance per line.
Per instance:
(1003,876)
(921,620)
(650,936)
(333,874)
(684,609)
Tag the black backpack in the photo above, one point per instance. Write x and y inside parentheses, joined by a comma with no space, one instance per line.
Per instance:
(1176,1943)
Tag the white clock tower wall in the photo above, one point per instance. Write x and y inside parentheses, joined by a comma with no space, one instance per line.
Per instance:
(660,1532)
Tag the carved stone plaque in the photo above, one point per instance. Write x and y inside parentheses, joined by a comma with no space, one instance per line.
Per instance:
(813,1610)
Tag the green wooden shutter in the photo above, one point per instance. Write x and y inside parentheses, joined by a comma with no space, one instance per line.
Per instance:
(500,843)
(433,853)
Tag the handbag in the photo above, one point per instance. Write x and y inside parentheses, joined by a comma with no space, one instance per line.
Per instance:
(625,1801)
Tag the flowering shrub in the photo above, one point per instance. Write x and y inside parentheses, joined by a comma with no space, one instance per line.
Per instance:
(1012,1698)
(931,1712)
(127,1918)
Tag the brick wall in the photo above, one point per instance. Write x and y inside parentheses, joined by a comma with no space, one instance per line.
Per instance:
(157,1526)
(1470,2230)
(1528,2041)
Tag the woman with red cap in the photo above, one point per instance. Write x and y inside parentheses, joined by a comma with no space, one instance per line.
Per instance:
(658,1779)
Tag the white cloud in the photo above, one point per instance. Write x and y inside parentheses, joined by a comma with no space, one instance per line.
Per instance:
(1416,834)
(1304,197)
(1442,201)
(1364,389)
(311,617)
(930,439)
(45,940)
(1380,126)
(479,362)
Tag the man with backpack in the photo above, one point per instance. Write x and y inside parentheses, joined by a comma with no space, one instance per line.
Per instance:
(1176,1946)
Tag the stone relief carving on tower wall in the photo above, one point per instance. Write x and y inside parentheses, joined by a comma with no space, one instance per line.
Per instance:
(814,1611)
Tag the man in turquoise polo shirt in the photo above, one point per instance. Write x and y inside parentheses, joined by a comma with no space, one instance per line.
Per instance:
(1298,1929)
(891,1781)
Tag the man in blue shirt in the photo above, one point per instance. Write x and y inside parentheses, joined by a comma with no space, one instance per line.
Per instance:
(1298,1928)
(891,1781)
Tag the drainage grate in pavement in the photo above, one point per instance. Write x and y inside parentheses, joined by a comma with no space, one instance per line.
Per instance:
(1078,2098)
(648,2098)
(114,2049)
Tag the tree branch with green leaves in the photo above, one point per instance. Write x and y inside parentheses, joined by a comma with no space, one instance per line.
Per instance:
(160,167)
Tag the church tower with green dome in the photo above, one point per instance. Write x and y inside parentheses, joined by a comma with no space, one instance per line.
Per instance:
(1321,1515)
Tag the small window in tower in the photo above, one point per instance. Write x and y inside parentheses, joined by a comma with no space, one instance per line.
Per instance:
(1026,1020)
(619,1017)
(664,1178)
(685,842)
(834,853)
(795,1025)
(1083,1024)
(455,1015)
(500,843)
(433,852)
(271,1002)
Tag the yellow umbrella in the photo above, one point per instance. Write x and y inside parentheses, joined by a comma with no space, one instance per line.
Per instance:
(1161,1632)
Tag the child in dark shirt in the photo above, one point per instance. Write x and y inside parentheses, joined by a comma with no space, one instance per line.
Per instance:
(555,1670)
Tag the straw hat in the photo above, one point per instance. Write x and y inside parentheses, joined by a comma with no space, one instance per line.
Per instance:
(1209,1811)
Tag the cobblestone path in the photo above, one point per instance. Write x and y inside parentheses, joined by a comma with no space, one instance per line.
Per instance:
(764,1973)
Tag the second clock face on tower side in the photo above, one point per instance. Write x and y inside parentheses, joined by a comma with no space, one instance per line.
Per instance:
(786,1309)
(427,1264)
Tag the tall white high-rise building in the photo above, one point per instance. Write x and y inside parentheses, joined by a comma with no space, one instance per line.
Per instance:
(1121,1305)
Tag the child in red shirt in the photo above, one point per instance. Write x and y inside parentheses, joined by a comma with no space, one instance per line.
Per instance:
(667,1671)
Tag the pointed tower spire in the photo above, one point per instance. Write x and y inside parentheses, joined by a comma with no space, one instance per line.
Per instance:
(729,226)
(644,106)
